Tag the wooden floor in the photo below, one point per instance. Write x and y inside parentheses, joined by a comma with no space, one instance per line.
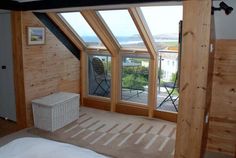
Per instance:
(117,135)
(7,127)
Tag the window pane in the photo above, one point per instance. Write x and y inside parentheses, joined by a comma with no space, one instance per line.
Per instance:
(163,22)
(165,31)
(135,79)
(167,92)
(77,22)
(123,28)
(99,74)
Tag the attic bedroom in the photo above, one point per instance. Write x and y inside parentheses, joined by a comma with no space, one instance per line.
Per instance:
(125,79)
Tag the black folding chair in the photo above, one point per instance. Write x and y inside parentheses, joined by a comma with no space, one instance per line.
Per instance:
(173,86)
(101,78)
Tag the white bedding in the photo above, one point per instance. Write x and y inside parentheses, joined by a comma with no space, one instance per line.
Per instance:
(43,148)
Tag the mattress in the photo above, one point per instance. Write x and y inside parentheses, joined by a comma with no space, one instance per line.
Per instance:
(43,148)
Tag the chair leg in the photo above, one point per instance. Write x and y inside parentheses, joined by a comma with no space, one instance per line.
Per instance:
(96,88)
(101,87)
(167,97)
(173,102)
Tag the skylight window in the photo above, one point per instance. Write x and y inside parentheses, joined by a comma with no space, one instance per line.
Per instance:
(123,28)
(163,22)
(80,26)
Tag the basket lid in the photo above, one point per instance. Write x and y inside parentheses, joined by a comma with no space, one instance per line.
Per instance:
(55,98)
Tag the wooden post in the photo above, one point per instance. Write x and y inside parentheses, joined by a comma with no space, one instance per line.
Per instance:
(83,76)
(152,87)
(146,35)
(115,81)
(108,40)
(18,69)
(193,78)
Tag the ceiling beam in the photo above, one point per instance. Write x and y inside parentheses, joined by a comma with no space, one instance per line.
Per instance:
(101,30)
(55,4)
(61,36)
(144,31)
(67,31)
(9,5)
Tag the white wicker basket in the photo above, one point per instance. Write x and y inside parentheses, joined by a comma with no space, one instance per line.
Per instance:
(55,111)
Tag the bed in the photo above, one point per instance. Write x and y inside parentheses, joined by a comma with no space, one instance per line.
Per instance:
(43,148)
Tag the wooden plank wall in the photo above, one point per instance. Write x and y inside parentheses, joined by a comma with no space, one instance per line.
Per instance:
(222,124)
(47,68)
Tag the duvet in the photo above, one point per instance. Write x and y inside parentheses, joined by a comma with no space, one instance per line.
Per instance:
(43,148)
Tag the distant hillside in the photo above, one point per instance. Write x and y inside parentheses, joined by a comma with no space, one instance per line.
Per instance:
(162,40)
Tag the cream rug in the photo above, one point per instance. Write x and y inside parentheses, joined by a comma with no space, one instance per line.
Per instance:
(117,135)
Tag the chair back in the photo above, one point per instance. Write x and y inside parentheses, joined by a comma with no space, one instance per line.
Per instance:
(98,66)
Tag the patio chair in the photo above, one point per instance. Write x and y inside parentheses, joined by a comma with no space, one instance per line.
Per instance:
(174,85)
(101,78)
(170,88)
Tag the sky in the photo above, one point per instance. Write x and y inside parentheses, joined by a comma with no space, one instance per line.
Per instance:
(160,20)
(78,23)
(120,22)
(163,19)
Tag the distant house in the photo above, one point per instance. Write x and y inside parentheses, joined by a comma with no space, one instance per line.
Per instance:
(168,63)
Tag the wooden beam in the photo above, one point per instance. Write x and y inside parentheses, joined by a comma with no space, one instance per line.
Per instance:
(10,5)
(152,87)
(97,103)
(83,76)
(115,73)
(18,69)
(108,40)
(101,30)
(67,31)
(144,31)
(147,37)
(193,78)
(165,115)
(56,4)
(210,82)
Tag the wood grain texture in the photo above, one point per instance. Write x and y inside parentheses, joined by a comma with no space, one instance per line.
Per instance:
(47,68)
(193,78)
(115,80)
(169,116)
(96,103)
(210,83)
(18,69)
(152,90)
(222,124)
(130,109)
(83,80)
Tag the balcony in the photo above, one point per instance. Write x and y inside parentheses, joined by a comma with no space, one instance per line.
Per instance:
(135,79)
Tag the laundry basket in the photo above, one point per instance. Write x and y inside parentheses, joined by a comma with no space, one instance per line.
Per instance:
(55,111)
